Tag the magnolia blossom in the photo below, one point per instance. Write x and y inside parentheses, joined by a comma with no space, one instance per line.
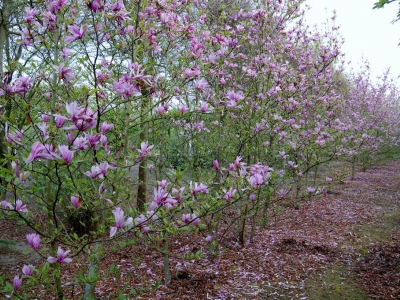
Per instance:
(201,84)
(310,190)
(106,127)
(282,193)
(61,256)
(141,222)
(291,165)
(119,221)
(76,202)
(256,180)
(216,164)
(198,188)
(162,198)
(99,170)
(191,218)
(77,33)
(65,154)
(20,207)
(33,240)
(183,109)
(64,73)
(30,14)
(17,282)
(229,194)
(204,107)
(145,148)
(27,270)
(6,205)
(39,151)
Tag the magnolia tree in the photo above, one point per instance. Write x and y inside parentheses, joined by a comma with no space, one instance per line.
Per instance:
(218,119)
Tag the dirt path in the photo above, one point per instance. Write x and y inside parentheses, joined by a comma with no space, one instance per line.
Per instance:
(370,265)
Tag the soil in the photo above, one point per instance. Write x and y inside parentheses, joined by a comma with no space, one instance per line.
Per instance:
(344,245)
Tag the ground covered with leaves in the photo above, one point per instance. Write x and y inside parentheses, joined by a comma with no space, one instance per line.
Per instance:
(352,233)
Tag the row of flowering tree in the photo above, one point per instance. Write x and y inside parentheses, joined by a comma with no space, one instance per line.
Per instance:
(152,117)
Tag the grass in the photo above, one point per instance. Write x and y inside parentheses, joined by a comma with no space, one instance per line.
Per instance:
(335,283)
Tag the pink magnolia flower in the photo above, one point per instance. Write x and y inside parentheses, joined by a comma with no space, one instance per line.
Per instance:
(209,238)
(329,180)
(186,218)
(94,5)
(99,170)
(6,205)
(76,202)
(33,240)
(204,107)
(229,194)
(201,84)
(103,140)
(256,180)
(195,220)
(93,139)
(16,137)
(39,151)
(162,198)
(106,127)
(77,33)
(310,190)
(145,149)
(198,188)
(126,89)
(30,14)
(22,84)
(282,154)
(282,193)
(20,207)
(27,270)
(119,221)
(61,256)
(74,110)
(191,218)
(184,109)
(17,282)
(65,154)
(216,164)
(59,119)
(57,5)
(141,221)
(64,73)
(160,110)
(80,143)
(45,117)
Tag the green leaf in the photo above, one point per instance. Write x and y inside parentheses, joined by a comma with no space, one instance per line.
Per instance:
(8,288)
(158,283)
(112,268)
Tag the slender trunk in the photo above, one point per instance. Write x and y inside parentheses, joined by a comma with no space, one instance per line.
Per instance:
(315,175)
(94,263)
(3,37)
(49,195)
(353,169)
(167,271)
(267,203)
(142,175)
(242,226)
